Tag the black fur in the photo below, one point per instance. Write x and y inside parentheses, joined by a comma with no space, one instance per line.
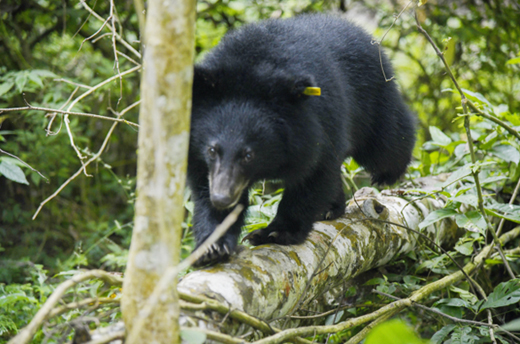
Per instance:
(250,121)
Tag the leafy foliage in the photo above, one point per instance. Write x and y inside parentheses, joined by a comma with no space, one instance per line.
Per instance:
(506,293)
(12,172)
(393,332)
(89,223)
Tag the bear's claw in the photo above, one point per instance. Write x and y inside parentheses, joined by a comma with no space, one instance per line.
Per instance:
(271,236)
(214,254)
(250,236)
(257,237)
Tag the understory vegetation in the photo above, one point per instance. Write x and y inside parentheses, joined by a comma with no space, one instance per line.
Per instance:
(68,159)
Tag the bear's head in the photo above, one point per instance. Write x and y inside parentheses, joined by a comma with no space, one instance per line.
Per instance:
(239,127)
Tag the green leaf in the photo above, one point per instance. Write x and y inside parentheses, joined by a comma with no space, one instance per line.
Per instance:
(439,336)
(461,150)
(462,172)
(493,179)
(5,87)
(463,335)
(436,264)
(465,295)
(44,73)
(453,302)
(513,60)
(11,161)
(21,79)
(393,332)
(35,78)
(438,137)
(511,217)
(511,326)
(437,215)
(12,172)
(505,207)
(7,325)
(334,318)
(193,336)
(470,220)
(375,281)
(507,153)
(465,249)
(466,199)
(506,293)
(476,96)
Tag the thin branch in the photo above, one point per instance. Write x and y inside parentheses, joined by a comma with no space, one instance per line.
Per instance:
(101,84)
(23,162)
(79,304)
(216,336)
(108,34)
(73,83)
(95,33)
(118,37)
(464,102)
(106,118)
(53,115)
(84,95)
(108,338)
(471,322)
(418,305)
(491,326)
(26,334)
(493,119)
(511,202)
(358,337)
(84,22)
(93,158)
(129,58)
(234,314)
(382,38)
(114,46)
(332,311)
(78,153)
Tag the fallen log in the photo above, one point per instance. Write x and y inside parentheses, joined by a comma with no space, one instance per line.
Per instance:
(272,281)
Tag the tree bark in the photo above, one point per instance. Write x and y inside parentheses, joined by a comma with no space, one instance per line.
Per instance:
(161,168)
(272,281)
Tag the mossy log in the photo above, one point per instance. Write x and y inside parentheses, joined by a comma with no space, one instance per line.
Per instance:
(273,281)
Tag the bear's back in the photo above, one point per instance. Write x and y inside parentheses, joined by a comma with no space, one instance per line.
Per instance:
(295,43)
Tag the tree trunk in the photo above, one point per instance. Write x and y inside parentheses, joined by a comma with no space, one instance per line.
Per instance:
(272,281)
(161,167)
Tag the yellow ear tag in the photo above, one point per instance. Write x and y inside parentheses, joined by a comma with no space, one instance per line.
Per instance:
(312,91)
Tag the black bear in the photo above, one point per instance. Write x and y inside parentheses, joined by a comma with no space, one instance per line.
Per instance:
(255,117)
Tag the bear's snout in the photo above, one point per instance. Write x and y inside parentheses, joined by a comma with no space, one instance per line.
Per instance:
(221,201)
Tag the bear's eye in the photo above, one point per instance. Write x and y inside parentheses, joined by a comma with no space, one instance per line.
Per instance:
(212,153)
(248,156)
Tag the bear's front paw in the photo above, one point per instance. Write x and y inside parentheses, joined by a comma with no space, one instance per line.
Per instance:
(216,253)
(270,235)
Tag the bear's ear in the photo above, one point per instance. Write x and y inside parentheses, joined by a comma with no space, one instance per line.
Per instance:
(301,84)
(299,87)
(204,81)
